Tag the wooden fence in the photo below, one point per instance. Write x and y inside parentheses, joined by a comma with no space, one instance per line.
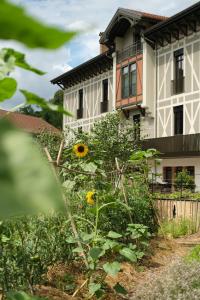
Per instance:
(170,209)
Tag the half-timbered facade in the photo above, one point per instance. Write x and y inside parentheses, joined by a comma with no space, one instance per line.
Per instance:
(88,92)
(149,69)
(173,50)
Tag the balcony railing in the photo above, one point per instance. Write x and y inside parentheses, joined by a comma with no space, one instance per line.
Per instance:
(104,107)
(178,145)
(178,86)
(79,113)
(130,51)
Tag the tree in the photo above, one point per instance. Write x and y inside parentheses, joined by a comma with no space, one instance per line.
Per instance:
(53,117)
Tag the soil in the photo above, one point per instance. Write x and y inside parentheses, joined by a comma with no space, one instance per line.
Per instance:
(163,252)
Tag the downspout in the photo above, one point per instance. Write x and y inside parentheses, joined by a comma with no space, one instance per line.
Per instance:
(156,100)
(114,56)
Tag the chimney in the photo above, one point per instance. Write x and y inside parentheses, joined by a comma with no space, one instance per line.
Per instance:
(103,47)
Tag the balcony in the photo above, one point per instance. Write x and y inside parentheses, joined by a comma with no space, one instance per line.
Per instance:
(130,51)
(177,86)
(104,107)
(178,145)
(79,113)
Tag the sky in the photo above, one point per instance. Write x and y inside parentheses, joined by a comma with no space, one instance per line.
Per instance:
(89,16)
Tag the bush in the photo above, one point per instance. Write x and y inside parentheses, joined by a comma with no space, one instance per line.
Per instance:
(177,227)
(28,246)
(180,282)
(184,181)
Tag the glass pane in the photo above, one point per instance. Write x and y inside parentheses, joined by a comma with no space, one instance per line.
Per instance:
(133,80)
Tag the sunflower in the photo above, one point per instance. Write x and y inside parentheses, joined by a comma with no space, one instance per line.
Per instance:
(90,197)
(80,150)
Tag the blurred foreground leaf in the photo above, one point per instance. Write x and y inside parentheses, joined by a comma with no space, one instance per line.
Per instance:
(20,60)
(21,296)
(8,87)
(27,183)
(15,24)
(31,98)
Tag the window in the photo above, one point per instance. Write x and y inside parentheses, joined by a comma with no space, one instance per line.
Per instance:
(178,119)
(133,80)
(129,81)
(136,122)
(125,82)
(80,104)
(178,76)
(105,90)
(191,171)
(167,175)
(104,103)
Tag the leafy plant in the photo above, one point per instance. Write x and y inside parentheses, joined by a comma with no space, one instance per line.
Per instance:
(177,227)
(184,181)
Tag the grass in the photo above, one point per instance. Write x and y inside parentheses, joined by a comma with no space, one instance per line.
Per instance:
(177,227)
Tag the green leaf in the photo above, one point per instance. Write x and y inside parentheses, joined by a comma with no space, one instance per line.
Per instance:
(86,237)
(8,87)
(27,182)
(128,253)
(110,244)
(94,287)
(120,289)
(4,239)
(112,268)
(71,240)
(114,235)
(15,24)
(90,167)
(20,60)
(95,253)
(32,98)
(21,296)
(69,184)
(77,250)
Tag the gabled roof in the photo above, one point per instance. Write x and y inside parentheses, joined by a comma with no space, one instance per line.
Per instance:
(88,69)
(122,19)
(29,123)
(188,17)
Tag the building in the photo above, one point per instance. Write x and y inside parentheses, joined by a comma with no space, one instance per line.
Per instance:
(99,85)
(88,91)
(173,87)
(30,124)
(152,66)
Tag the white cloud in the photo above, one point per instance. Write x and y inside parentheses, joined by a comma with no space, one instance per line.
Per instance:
(88,16)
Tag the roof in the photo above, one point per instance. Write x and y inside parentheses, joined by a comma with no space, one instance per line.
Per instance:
(123,18)
(175,22)
(29,123)
(86,70)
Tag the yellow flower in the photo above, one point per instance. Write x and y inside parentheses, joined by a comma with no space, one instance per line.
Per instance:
(80,150)
(90,197)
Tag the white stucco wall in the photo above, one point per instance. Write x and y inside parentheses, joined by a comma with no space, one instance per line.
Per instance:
(92,98)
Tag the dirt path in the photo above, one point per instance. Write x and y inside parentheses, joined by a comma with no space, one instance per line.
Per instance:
(166,253)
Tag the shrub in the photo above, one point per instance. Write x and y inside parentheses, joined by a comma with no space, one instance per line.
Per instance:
(184,181)
(180,282)
(177,227)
